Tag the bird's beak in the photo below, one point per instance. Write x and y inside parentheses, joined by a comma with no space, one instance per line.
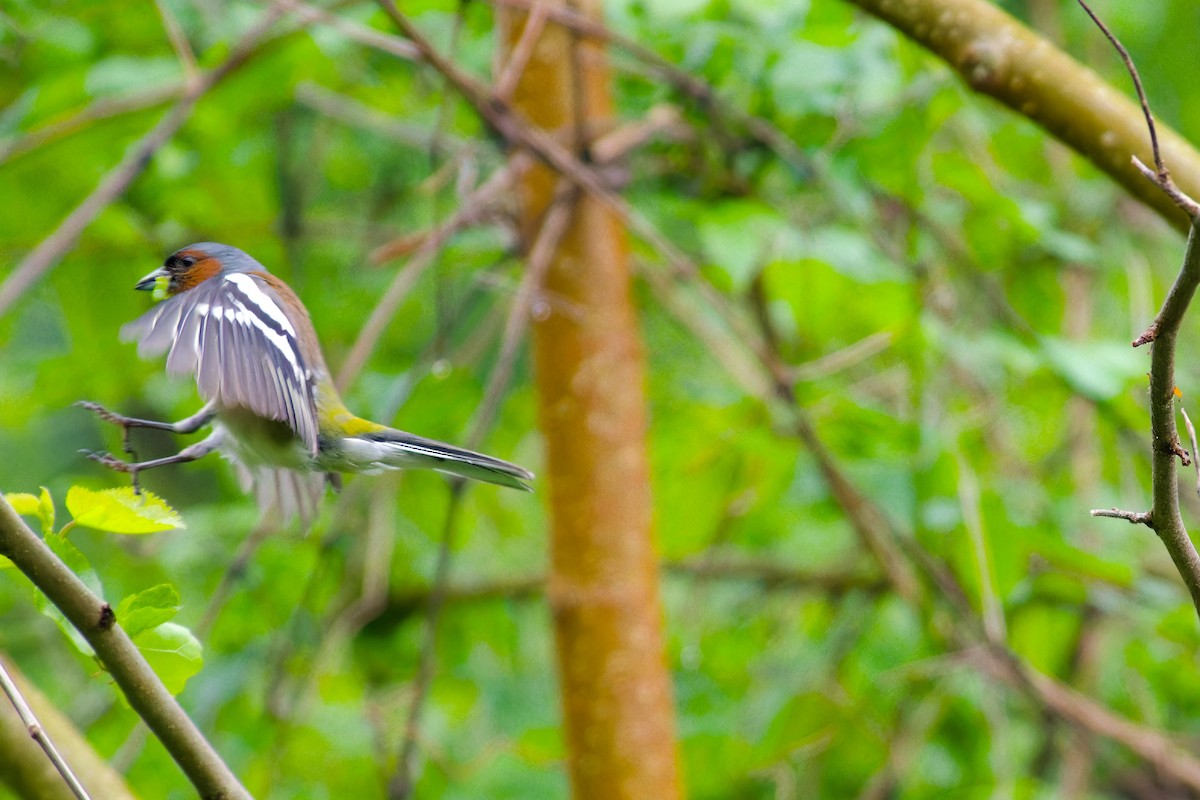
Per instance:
(146,284)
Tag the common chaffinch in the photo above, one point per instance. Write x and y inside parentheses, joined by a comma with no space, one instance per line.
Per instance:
(269,396)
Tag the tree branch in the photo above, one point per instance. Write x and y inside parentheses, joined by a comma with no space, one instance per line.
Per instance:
(95,620)
(998,56)
(38,733)
(28,774)
(118,179)
(1168,523)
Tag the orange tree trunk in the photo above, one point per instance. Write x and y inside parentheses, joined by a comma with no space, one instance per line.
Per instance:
(603,587)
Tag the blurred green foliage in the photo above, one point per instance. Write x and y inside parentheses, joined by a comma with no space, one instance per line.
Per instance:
(956,291)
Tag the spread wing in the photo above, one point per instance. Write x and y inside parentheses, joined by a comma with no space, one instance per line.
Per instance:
(231,333)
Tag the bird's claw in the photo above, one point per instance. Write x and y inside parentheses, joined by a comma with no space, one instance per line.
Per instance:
(109,460)
(103,413)
(114,418)
(112,462)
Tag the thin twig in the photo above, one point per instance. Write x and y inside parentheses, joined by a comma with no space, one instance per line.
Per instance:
(519,57)
(1191,429)
(760,130)
(402,782)
(118,179)
(183,49)
(1164,434)
(101,109)
(39,735)
(353,31)
(1159,176)
(1137,85)
(1134,517)
(381,316)
(553,228)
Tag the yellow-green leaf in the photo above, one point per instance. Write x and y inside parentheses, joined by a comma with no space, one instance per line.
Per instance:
(121,510)
(23,503)
(46,511)
(29,505)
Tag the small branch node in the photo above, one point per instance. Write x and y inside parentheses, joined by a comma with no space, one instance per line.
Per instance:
(1132,517)
(1149,336)
(1162,179)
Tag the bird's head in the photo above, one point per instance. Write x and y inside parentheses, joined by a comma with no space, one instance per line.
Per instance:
(193,265)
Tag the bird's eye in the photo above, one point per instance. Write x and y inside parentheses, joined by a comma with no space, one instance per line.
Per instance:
(188,261)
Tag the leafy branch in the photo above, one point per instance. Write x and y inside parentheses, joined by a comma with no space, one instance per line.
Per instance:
(144,616)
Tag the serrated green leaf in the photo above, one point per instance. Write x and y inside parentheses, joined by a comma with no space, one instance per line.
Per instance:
(122,510)
(148,609)
(173,652)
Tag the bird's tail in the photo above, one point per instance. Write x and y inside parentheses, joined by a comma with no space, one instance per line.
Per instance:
(408,451)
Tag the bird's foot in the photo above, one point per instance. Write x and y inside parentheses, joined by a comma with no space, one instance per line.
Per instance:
(119,465)
(114,418)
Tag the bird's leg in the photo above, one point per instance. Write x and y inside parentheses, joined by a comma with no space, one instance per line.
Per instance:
(189,453)
(186,425)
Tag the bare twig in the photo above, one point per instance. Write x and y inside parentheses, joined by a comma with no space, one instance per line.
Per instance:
(381,316)
(518,59)
(352,30)
(1159,176)
(554,226)
(1148,744)
(39,735)
(101,109)
(1165,447)
(1133,517)
(1137,84)
(759,129)
(402,782)
(179,42)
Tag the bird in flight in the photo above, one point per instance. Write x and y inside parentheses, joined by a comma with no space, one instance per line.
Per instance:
(269,398)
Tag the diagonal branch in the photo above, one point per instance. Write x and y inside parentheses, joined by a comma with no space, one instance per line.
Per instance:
(117,180)
(39,735)
(998,56)
(95,620)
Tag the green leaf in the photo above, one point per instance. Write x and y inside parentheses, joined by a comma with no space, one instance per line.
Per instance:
(173,652)
(148,609)
(46,511)
(29,505)
(23,503)
(78,563)
(1099,370)
(121,510)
